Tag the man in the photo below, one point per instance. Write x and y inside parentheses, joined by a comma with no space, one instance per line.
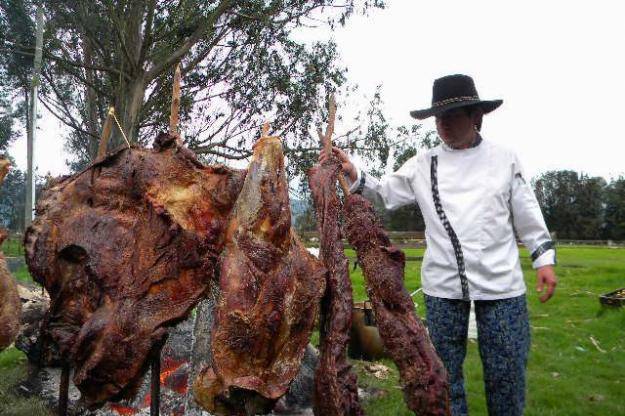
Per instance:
(473,196)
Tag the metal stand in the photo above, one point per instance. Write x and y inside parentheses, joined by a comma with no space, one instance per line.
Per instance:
(64,390)
(155,384)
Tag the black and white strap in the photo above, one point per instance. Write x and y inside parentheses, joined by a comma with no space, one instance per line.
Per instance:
(450,231)
(547,245)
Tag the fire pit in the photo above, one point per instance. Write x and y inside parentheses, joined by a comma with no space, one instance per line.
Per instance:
(176,372)
(44,382)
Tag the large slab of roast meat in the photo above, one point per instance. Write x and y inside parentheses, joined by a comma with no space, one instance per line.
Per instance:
(336,389)
(423,376)
(270,292)
(125,249)
(10,304)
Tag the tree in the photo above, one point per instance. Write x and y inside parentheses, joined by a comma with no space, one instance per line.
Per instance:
(572,204)
(614,226)
(411,142)
(556,196)
(589,204)
(240,60)
(12,199)
(15,71)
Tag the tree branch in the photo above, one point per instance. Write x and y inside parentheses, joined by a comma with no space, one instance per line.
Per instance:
(68,62)
(202,28)
(63,120)
(147,38)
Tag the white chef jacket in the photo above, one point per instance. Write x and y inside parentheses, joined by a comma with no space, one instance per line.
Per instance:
(472,202)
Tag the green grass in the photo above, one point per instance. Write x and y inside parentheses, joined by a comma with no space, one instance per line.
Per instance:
(13,368)
(22,275)
(567,374)
(13,247)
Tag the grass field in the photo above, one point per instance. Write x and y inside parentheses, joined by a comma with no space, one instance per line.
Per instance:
(567,374)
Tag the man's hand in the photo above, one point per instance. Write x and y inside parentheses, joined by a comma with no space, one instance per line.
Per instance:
(348,167)
(546,276)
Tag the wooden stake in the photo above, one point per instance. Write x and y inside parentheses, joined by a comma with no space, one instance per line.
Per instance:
(326,140)
(155,383)
(106,134)
(174,117)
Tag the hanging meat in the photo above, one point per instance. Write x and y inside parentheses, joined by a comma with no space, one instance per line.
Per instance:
(125,249)
(336,389)
(10,304)
(424,379)
(270,291)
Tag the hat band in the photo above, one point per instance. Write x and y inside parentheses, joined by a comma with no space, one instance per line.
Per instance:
(456,100)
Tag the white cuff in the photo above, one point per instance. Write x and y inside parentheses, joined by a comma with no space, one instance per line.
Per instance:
(548,258)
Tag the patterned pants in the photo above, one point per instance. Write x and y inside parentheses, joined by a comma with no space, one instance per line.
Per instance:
(503,339)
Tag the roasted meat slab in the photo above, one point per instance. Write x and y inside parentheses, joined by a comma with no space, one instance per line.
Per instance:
(126,248)
(336,389)
(270,291)
(406,340)
(10,305)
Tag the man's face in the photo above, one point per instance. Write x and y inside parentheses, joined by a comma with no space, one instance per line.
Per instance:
(456,128)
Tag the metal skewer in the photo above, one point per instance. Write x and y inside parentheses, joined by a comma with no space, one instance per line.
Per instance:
(64,390)
(155,382)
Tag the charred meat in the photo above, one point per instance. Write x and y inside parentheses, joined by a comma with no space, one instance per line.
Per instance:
(424,379)
(270,290)
(336,389)
(125,249)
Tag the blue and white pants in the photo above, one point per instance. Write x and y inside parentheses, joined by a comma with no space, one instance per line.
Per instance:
(503,339)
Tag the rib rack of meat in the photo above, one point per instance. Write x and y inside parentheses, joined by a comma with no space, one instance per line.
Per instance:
(425,386)
(336,389)
(270,291)
(10,305)
(126,248)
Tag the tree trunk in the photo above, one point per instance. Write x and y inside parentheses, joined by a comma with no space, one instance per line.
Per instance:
(90,100)
(129,102)
(128,106)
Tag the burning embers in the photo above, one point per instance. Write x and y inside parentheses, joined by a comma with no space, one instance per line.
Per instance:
(174,377)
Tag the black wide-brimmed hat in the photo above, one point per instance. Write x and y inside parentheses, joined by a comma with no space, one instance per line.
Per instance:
(454,91)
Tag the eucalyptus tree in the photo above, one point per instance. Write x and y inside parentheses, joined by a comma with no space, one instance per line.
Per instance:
(242,62)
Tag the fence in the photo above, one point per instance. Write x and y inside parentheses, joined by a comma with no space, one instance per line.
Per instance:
(13,245)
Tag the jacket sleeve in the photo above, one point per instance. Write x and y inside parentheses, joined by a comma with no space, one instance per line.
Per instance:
(528,219)
(395,189)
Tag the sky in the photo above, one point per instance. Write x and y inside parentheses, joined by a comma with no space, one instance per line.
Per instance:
(559,66)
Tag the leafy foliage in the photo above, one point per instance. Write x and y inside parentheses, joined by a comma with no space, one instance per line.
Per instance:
(574,205)
(614,211)
(242,63)
(410,143)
